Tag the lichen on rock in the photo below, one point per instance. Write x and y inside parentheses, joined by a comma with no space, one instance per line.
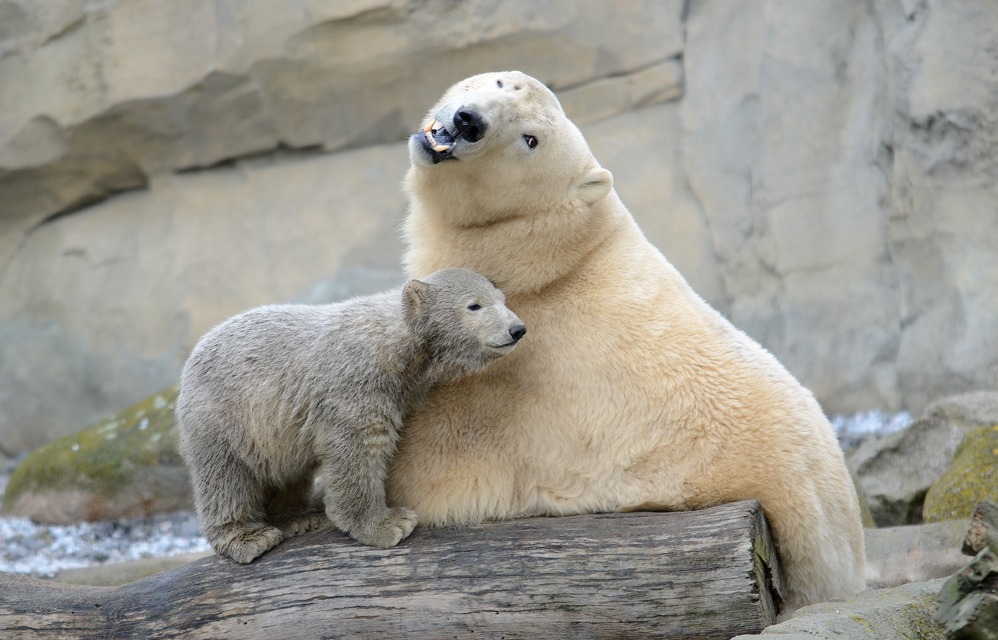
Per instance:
(970,478)
(126,466)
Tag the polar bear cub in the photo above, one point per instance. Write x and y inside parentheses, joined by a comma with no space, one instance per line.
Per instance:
(278,395)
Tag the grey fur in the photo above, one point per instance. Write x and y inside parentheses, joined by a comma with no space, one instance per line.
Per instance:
(278,394)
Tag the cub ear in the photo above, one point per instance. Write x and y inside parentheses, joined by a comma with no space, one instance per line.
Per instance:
(595,185)
(413,297)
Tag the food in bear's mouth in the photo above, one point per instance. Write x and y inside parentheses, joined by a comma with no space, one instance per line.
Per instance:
(434,129)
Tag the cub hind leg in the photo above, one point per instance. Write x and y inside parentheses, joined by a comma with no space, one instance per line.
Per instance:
(297,509)
(230,505)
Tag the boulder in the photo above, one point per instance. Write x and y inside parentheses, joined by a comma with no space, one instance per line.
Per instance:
(972,476)
(901,613)
(897,471)
(913,553)
(124,467)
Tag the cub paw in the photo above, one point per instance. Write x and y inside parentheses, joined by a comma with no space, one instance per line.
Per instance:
(248,544)
(306,524)
(390,529)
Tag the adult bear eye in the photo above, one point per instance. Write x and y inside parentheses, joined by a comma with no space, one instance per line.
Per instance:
(474,307)
(531,141)
(499,83)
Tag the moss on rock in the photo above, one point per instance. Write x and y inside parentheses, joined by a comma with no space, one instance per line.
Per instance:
(126,466)
(971,477)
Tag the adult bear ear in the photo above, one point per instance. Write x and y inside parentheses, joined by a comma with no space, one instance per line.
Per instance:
(413,297)
(595,185)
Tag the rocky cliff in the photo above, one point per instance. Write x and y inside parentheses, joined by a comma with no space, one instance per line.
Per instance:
(823,172)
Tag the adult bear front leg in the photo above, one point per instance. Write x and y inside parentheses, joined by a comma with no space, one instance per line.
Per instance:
(353,475)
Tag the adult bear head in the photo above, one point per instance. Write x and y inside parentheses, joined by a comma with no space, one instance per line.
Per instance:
(502,183)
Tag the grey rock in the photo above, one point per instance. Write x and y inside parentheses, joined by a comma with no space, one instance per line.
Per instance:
(843,154)
(110,94)
(124,467)
(901,613)
(897,471)
(914,553)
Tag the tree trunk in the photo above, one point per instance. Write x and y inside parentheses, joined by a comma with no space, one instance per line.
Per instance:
(698,574)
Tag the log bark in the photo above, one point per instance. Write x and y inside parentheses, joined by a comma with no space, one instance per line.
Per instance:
(700,574)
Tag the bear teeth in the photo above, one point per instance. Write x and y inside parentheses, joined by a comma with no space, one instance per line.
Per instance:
(429,132)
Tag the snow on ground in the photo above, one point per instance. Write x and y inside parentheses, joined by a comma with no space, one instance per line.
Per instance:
(43,550)
(855,429)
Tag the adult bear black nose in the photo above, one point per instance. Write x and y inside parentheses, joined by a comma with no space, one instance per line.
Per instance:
(469,124)
(516,332)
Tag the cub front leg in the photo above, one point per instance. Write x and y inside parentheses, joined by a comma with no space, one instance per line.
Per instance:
(353,477)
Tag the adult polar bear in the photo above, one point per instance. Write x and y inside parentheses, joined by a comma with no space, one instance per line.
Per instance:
(630,392)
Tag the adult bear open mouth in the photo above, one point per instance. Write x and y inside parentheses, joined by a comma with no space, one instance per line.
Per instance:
(438,142)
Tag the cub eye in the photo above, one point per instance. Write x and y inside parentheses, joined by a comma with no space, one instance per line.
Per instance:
(474,307)
(499,83)
(531,141)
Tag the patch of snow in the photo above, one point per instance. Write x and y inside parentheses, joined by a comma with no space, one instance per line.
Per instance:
(859,427)
(44,550)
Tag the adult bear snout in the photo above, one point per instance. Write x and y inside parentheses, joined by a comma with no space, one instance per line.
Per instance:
(469,124)
(517,331)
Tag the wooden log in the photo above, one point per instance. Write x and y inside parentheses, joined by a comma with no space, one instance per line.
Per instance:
(701,574)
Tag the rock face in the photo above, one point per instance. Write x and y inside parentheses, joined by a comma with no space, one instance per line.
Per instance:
(972,476)
(844,156)
(897,471)
(823,173)
(124,467)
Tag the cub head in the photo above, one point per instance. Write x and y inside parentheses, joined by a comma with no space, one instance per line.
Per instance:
(498,145)
(462,316)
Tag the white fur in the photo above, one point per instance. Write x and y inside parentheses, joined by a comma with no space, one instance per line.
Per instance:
(630,392)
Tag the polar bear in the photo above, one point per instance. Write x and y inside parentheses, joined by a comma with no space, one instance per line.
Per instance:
(277,394)
(631,393)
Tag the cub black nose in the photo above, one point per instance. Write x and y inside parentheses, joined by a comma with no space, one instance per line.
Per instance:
(469,124)
(517,332)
